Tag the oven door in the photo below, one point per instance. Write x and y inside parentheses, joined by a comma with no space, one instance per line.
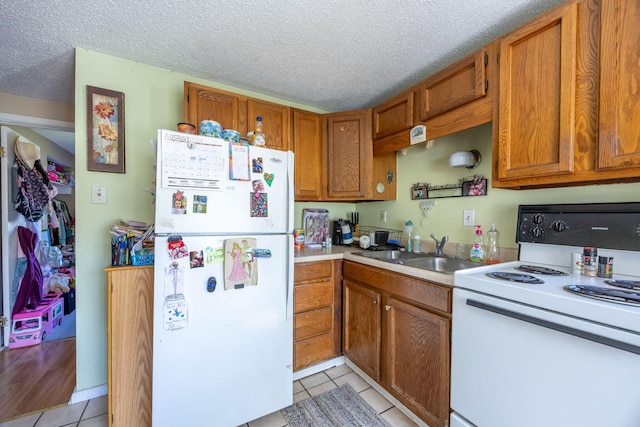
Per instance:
(517,365)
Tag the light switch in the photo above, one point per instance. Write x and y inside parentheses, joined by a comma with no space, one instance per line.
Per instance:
(98,194)
(468,219)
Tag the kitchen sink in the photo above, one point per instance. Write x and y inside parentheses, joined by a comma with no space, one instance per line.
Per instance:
(425,261)
(391,255)
(441,264)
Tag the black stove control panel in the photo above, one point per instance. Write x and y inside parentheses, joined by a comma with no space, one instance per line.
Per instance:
(605,225)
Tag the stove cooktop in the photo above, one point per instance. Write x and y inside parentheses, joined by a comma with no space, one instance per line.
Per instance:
(548,292)
(606,294)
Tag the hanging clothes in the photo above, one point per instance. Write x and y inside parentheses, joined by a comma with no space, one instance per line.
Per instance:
(29,294)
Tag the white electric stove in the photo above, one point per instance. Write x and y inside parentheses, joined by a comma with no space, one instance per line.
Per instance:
(527,350)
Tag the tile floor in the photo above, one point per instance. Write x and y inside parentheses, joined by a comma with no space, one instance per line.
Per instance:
(93,413)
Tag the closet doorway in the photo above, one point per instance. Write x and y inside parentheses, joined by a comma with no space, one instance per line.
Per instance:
(56,355)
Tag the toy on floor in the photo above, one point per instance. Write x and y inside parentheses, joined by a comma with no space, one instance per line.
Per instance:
(31,327)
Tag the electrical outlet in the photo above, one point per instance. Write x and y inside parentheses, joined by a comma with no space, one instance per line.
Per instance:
(383,216)
(468,218)
(98,194)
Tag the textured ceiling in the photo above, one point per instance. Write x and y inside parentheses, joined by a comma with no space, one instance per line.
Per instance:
(333,55)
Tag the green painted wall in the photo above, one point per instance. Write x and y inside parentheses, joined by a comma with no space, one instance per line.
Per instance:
(154,99)
(500,206)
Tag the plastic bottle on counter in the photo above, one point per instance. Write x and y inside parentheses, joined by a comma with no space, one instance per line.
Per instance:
(477,248)
(416,243)
(493,251)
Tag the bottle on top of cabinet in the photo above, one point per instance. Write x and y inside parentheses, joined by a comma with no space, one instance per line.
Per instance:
(257,137)
(477,248)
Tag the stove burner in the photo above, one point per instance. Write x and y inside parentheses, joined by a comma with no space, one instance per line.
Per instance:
(540,270)
(515,277)
(606,294)
(627,284)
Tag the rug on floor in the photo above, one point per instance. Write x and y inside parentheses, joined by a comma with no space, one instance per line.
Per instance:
(341,406)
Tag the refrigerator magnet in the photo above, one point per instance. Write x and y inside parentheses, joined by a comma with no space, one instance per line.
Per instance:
(179,206)
(256,165)
(258,186)
(177,249)
(199,204)
(196,259)
(240,268)
(259,205)
(268,177)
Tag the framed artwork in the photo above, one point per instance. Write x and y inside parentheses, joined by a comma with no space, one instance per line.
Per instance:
(474,188)
(105,130)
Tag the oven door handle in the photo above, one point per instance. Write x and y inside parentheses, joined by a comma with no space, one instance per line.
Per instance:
(556,327)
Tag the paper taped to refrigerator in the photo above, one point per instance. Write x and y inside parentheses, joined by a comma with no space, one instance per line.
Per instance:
(191,161)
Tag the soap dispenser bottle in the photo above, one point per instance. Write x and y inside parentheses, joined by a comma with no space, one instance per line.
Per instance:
(477,248)
(493,251)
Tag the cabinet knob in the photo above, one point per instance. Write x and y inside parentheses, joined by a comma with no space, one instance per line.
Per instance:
(375,301)
(387,307)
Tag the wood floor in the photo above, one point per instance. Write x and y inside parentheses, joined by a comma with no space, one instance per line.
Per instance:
(37,377)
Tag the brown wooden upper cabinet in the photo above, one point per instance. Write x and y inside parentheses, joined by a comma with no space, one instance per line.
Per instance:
(239,112)
(307,145)
(619,138)
(394,115)
(352,172)
(555,72)
(454,86)
(456,98)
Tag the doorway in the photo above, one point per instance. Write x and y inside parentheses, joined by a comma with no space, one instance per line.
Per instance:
(55,360)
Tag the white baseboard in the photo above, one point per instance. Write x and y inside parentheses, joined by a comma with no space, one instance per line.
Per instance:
(318,368)
(88,394)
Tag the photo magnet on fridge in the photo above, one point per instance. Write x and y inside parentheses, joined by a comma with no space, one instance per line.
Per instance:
(259,205)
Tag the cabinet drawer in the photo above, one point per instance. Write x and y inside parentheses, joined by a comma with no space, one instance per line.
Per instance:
(313,271)
(312,295)
(312,323)
(313,350)
(419,291)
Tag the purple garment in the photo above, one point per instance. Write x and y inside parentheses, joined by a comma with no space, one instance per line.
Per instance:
(29,295)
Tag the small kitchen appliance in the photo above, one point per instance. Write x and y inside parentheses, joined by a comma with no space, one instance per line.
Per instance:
(532,341)
(337,231)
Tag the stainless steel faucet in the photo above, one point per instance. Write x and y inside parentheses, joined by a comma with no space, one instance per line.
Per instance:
(440,244)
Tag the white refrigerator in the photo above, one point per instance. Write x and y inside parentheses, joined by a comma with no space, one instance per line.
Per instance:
(223,292)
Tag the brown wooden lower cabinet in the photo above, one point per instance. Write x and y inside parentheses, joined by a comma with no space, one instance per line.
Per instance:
(317,308)
(129,345)
(397,330)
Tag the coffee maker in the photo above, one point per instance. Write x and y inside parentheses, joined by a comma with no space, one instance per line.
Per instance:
(336,231)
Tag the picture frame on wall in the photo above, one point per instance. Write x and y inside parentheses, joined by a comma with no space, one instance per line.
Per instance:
(474,188)
(105,130)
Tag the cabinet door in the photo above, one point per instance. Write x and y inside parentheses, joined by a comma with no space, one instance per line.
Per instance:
(275,122)
(361,336)
(619,142)
(454,86)
(394,115)
(204,103)
(417,360)
(537,100)
(349,156)
(307,147)
(130,342)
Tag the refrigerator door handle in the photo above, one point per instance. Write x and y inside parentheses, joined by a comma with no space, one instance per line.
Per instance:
(290,190)
(289,300)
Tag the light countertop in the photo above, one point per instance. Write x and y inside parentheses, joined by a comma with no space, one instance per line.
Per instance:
(307,254)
